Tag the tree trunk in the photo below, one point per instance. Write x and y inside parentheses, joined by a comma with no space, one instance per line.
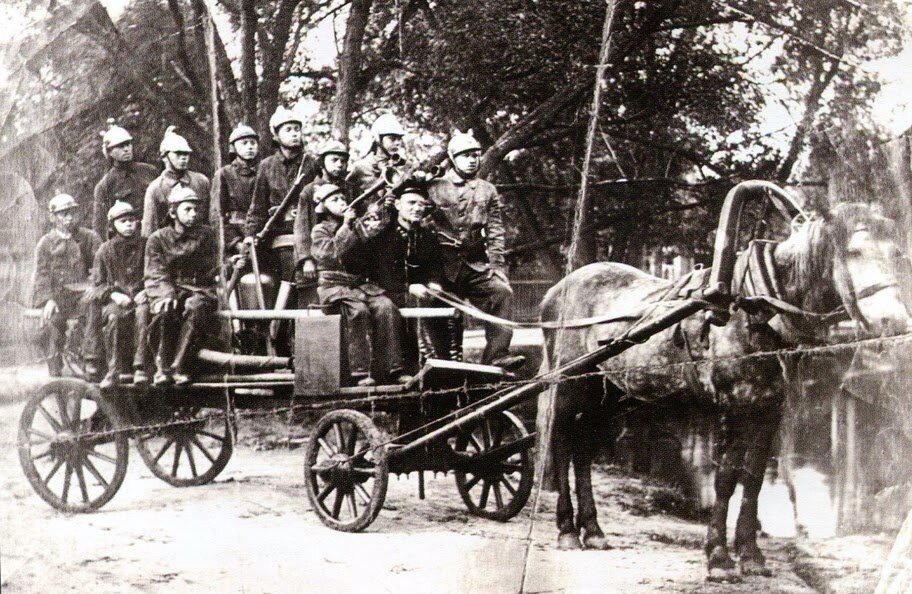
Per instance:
(349,68)
(273,56)
(825,73)
(248,60)
(896,577)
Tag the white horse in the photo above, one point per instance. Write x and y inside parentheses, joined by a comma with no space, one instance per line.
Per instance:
(846,258)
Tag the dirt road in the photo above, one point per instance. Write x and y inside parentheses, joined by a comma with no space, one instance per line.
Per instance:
(253,531)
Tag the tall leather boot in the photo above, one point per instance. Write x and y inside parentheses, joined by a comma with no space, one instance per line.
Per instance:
(163,354)
(184,344)
(112,346)
(141,355)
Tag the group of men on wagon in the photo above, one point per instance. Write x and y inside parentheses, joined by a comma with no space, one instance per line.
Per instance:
(152,283)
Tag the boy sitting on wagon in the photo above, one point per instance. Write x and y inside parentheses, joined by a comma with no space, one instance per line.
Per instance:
(339,249)
(63,258)
(117,276)
(180,271)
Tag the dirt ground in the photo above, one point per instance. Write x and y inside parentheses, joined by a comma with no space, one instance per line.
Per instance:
(252,530)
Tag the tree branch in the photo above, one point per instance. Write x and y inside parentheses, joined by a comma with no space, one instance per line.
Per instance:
(531,124)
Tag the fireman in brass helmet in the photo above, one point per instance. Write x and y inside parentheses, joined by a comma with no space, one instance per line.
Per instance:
(386,149)
(332,163)
(232,186)
(275,177)
(373,323)
(181,265)
(117,292)
(174,152)
(468,216)
(63,258)
(126,180)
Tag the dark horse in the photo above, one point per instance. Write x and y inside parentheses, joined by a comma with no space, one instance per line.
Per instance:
(846,259)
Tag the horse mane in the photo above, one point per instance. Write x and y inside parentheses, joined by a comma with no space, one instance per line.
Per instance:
(814,243)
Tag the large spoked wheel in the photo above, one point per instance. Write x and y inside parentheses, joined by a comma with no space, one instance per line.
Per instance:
(68,446)
(496,469)
(191,446)
(345,468)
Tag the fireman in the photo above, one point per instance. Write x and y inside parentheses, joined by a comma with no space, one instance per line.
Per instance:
(332,160)
(386,150)
(276,176)
(63,258)
(174,152)
(180,279)
(232,186)
(340,250)
(126,180)
(469,221)
(117,276)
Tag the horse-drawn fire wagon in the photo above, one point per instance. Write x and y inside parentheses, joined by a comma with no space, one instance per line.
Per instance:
(454,416)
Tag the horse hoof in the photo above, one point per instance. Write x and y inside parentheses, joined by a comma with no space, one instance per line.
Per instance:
(753,567)
(719,559)
(597,542)
(568,542)
(719,575)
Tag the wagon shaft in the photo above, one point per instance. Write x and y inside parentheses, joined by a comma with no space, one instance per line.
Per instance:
(505,399)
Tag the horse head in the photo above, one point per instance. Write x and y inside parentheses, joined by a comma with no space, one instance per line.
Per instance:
(848,256)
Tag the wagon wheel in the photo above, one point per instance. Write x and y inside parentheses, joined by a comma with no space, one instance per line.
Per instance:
(67,448)
(191,448)
(495,475)
(345,468)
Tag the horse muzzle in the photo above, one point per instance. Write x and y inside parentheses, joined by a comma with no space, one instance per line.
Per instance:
(885,311)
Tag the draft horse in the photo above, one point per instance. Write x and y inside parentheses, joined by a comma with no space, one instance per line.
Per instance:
(845,259)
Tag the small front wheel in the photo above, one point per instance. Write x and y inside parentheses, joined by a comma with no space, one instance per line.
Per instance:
(345,469)
(70,446)
(496,470)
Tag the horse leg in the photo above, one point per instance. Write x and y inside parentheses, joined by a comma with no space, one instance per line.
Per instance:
(751,559)
(562,447)
(584,449)
(720,565)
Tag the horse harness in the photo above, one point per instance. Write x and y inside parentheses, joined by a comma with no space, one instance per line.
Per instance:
(759,293)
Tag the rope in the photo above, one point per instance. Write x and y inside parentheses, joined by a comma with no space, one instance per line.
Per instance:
(470,310)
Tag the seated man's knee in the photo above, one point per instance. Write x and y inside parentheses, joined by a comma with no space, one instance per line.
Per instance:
(384,306)
(198,307)
(356,310)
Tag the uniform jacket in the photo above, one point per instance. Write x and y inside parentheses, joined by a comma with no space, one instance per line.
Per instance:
(274,178)
(60,261)
(471,212)
(118,267)
(400,257)
(232,192)
(185,259)
(155,204)
(305,219)
(126,182)
(341,255)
